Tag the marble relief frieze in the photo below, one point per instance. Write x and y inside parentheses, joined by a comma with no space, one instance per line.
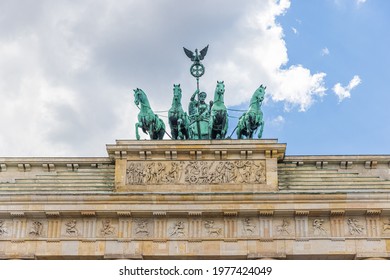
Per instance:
(197,227)
(196,172)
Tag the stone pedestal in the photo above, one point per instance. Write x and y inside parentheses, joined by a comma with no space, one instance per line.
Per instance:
(213,166)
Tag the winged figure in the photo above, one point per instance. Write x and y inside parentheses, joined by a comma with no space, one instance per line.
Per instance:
(196,57)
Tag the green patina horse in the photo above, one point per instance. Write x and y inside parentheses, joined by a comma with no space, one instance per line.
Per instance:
(178,119)
(149,122)
(252,119)
(218,123)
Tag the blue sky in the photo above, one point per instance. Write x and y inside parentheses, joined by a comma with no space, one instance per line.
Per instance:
(67,69)
(357,38)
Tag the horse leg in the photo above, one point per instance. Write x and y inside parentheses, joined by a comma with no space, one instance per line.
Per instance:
(225,126)
(137,125)
(239,132)
(211,122)
(261,130)
(161,134)
(241,126)
(161,129)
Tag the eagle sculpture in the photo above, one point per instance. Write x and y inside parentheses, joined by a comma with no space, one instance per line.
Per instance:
(196,57)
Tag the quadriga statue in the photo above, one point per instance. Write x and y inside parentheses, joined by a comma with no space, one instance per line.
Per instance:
(147,120)
(178,119)
(252,119)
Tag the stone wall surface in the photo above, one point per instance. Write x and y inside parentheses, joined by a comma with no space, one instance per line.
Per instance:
(220,199)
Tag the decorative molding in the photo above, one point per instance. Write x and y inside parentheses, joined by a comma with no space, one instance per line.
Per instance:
(195,213)
(52,214)
(346,164)
(337,212)
(88,213)
(159,213)
(72,166)
(3,167)
(48,167)
(17,214)
(373,212)
(124,213)
(230,213)
(301,213)
(266,213)
(24,167)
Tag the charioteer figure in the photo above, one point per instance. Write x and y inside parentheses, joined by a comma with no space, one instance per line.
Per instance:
(199,115)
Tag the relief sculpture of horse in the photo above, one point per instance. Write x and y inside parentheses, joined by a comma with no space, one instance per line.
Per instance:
(147,120)
(178,119)
(252,119)
(218,123)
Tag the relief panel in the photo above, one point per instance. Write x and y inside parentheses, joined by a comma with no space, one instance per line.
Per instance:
(385,226)
(355,226)
(284,227)
(177,228)
(35,228)
(71,228)
(213,228)
(319,226)
(248,227)
(107,228)
(5,229)
(142,228)
(196,172)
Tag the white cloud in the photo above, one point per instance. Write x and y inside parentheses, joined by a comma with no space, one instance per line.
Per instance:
(325,51)
(278,121)
(294,30)
(261,57)
(360,2)
(68,69)
(345,92)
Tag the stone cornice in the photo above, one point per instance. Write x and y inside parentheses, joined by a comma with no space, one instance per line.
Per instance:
(195,149)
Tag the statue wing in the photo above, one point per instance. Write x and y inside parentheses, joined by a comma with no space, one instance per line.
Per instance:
(189,53)
(203,52)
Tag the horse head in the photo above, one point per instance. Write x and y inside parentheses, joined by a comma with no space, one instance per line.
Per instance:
(140,98)
(176,94)
(219,91)
(258,96)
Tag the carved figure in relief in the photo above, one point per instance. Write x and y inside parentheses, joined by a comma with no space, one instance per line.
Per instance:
(135,173)
(107,229)
(318,228)
(177,229)
(36,228)
(354,227)
(71,228)
(249,228)
(212,230)
(3,230)
(284,227)
(386,226)
(142,228)
(172,175)
(260,174)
